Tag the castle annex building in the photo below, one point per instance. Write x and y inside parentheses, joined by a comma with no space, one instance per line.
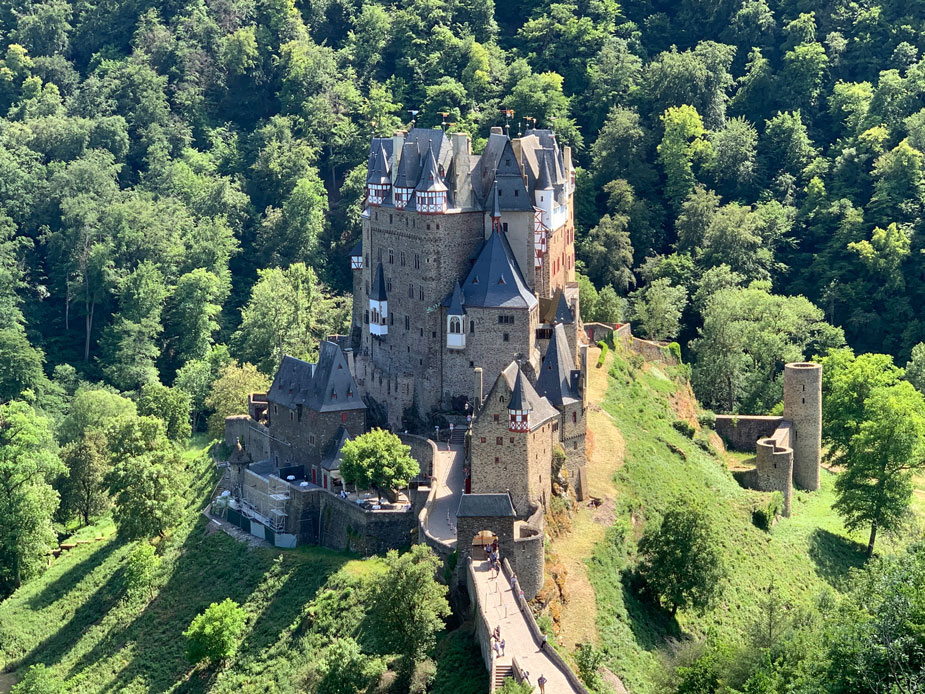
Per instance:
(465,310)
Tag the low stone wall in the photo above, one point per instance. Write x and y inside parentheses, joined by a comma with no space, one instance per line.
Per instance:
(254,437)
(423,450)
(529,552)
(537,633)
(652,351)
(482,632)
(322,518)
(740,432)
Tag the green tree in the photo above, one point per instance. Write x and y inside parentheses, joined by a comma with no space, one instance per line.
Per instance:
(410,604)
(28,465)
(92,408)
(608,253)
(680,560)
(20,364)
(40,679)
(171,406)
(214,635)
(915,367)
(587,298)
(345,669)
(289,312)
(147,480)
(683,145)
(875,487)
(610,307)
(229,394)
(192,313)
(141,569)
(195,378)
(83,491)
(657,309)
(377,460)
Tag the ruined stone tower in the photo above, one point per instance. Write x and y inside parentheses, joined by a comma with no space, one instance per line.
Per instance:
(803,407)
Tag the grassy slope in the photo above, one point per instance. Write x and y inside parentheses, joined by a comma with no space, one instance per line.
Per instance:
(803,555)
(75,618)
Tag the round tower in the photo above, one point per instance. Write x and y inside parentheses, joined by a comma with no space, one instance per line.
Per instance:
(803,408)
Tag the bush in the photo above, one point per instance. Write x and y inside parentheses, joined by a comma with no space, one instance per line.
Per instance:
(603,355)
(141,570)
(40,680)
(763,516)
(674,349)
(213,636)
(589,660)
(684,427)
(512,686)
(707,419)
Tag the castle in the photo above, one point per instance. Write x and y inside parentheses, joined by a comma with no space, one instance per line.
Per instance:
(788,448)
(465,312)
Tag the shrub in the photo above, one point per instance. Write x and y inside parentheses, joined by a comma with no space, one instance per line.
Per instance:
(141,570)
(213,636)
(764,514)
(589,660)
(603,355)
(512,686)
(674,349)
(684,427)
(707,419)
(40,680)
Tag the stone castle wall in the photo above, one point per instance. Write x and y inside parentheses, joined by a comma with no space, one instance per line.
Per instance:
(739,432)
(254,437)
(774,469)
(304,440)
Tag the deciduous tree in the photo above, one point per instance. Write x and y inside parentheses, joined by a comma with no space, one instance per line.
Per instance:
(377,460)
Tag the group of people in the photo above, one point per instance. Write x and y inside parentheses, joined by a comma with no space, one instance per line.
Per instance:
(497,643)
(493,557)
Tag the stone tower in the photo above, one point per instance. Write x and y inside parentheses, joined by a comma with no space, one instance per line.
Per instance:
(803,408)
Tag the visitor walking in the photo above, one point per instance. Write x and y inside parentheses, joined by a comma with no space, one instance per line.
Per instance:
(542,682)
(501,644)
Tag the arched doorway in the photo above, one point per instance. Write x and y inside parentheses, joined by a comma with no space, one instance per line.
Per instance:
(483,542)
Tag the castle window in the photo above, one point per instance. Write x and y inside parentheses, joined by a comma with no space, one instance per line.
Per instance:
(496,418)
(504,227)
(497,459)
(391,257)
(438,226)
(367,261)
(407,323)
(421,292)
(516,194)
(401,258)
(299,411)
(506,337)
(275,410)
(574,417)
(455,325)
(472,326)
(291,415)
(377,215)
(428,227)
(499,440)
(391,319)
(434,334)
(367,287)
(311,439)
(390,219)
(379,251)
(512,439)
(422,331)
(388,285)
(410,291)
(471,364)
(483,439)
(366,317)
(417,262)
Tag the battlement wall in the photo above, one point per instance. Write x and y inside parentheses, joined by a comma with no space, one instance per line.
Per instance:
(740,432)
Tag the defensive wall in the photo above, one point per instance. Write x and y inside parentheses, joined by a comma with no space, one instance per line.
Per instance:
(739,432)
(253,436)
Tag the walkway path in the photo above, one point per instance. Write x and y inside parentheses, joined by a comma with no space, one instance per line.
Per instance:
(501,610)
(449,476)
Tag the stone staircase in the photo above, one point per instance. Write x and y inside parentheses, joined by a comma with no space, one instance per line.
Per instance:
(458,437)
(502,672)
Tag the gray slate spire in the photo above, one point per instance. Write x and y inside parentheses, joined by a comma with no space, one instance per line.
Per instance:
(456,302)
(496,203)
(554,382)
(544,180)
(431,181)
(378,292)
(518,400)
(563,312)
(409,166)
(379,172)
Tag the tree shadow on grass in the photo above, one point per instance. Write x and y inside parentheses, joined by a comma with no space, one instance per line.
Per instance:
(68,580)
(651,624)
(834,556)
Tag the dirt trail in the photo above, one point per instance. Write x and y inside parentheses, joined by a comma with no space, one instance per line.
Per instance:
(605,456)
(7,680)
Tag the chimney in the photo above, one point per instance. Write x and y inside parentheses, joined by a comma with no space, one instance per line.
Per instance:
(497,130)
(348,352)
(398,140)
(478,387)
(462,183)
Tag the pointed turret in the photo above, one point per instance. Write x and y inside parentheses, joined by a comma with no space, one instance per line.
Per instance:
(495,208)
(555,379)
(456,320)
(379,179)
(430,193)
(519,407)
(406,178)
(544,180)
(378,305)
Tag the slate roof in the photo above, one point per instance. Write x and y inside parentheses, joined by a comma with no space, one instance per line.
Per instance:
(495,202)
(495,280)
(378,292)
(485,506)
(431,180)
(331,461)
(555,379)
(556,309)
(543,180)
(379,172)
(518,401)
(357,248)
(323,387)
(456,302)
(409,166)
(541,410)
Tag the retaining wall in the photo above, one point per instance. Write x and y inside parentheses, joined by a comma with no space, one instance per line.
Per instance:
(740,432)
